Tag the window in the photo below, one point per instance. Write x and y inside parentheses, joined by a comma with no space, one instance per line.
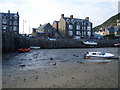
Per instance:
(84,33)
(5,17)
(70,27)
(10,22)
(10,28)
(89,33)
(71,33)
(89,24)
(14,28)
(84,28)
(10,17)
(78,27)
(88,28)
(15,16)
(15,22)
(77,32)
(4,21)
(4,26)
(84,23)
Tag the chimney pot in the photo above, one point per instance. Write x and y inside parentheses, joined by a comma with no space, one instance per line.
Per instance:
(87,18)
(71,16)
(8,11)
(62,15)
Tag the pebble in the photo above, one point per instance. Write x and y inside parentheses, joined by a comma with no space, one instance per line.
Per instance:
(22,65)
(54,63)
(51,58)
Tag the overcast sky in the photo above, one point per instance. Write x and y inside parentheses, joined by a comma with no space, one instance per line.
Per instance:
(36,12)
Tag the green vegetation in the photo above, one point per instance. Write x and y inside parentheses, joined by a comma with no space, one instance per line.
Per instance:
(110,22)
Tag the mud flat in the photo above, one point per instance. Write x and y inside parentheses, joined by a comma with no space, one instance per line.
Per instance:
(59,68)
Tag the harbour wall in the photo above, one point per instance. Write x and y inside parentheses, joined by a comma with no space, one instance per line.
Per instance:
(11,42)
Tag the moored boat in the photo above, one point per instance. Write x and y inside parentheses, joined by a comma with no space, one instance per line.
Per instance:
(91,55)
(117,44)
(34,47)
(24,49)
(90,43)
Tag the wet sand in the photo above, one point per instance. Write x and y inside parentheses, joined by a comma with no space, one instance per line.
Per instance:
(59,68)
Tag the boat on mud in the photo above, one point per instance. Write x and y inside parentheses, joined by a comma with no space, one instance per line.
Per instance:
(23,49)
(94,55)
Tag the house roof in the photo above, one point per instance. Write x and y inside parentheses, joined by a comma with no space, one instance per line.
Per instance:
(112,29)
(56,21)
(11,14)
(42,26)
(75,19)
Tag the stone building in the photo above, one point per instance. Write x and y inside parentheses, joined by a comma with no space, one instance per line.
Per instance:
(9,22)
(44,31)
(70,27)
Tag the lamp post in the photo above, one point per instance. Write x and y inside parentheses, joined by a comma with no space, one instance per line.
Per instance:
(23,25)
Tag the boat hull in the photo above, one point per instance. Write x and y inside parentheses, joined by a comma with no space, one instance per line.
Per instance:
(24,50)
(96,57)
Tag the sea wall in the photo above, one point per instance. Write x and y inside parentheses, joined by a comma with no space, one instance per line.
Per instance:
(11,42)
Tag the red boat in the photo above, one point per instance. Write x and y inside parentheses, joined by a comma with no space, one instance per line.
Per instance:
(24,49)
(117,44)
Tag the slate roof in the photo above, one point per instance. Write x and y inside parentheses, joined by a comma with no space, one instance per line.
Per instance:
(112,29)
(10,14)
(56,21)
(75,19)
(42,26)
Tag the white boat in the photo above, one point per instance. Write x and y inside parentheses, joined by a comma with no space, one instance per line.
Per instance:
(98,55)
(34,47)
(90,43)
(117,44)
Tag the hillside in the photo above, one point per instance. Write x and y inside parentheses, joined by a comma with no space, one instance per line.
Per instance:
(109,22)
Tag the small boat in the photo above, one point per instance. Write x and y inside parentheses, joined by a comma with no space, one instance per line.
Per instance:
(91,55)
(24,49)
(34,47)
(90,43)
(117,44)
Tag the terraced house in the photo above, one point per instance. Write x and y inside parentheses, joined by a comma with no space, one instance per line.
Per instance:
(9,22)
(70,27)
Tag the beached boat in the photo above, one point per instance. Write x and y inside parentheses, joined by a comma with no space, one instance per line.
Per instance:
(90,43)
(34,47)
(91,55)
(24,49)
(117,45)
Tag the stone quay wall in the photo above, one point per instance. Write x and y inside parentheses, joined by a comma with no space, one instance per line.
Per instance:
(12,42)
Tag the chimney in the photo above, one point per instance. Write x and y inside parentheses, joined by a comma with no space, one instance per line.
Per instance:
(8,11)
(87,18)
(40,25)
(71,16)
(62,16)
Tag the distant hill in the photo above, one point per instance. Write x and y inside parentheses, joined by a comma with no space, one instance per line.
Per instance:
(110,22)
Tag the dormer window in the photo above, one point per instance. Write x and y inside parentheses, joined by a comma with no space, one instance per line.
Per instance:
(68,20)
(73,21)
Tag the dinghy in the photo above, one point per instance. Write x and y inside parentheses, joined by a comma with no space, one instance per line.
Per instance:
(24,49)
